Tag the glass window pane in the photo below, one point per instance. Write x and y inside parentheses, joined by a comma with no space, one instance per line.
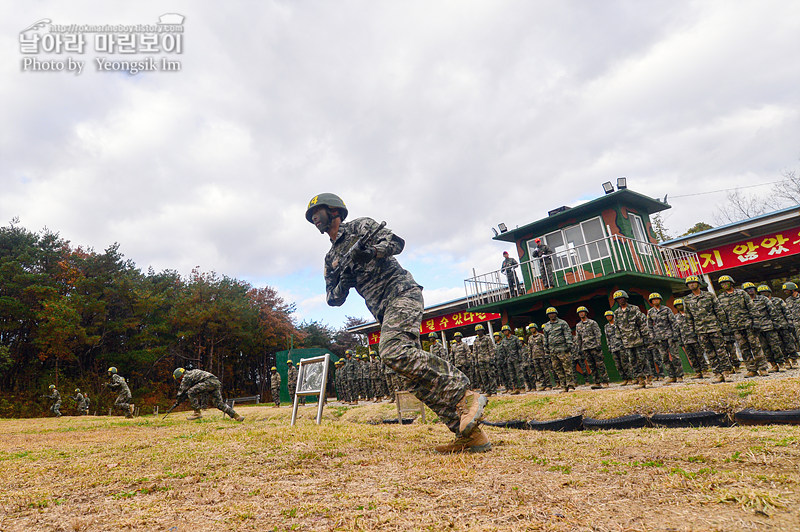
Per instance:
(574,238)
(593,229)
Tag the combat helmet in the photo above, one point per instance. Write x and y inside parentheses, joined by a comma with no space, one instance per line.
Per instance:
(692,279)
(433,335)
(273,368)
(725,279)
(551,310)
(289,361)
(654,295)
(505,328)
(495,333)
(330,201)
(531,326)
(789,285)
(582,309)
(479,327)
(764,288)
(678,302)
(52,386)
(112,370)
(178,373)
(77,390)
(620,294)
(458,334)
(748,285)
(608,313)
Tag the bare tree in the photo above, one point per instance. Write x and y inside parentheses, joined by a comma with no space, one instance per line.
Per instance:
(740,206)
(787,192)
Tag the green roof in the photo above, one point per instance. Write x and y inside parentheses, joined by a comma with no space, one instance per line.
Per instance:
(584,211)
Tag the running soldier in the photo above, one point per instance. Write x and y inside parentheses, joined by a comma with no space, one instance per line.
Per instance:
(199,386)
(666,336)
(124,396)
(559,345)
(589,342)
(275,386)
(706,317)
(362,257)
(617,352)
(80,402)
(764,322)
(54,396)
(483,348)
(689,341)
(632,330)
(741,313)
(784,325)
(513,350)
(542,366)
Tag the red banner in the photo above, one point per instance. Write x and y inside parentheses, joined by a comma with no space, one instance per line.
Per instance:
(752,250)
(448,321)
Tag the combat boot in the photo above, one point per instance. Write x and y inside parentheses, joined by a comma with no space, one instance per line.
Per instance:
(132,408)
(195,415)
(750,374)
(775,368)
(649,379)
(698,375)
(642,382)
(719,378)
(672,380)
(238,418)
(515,391)
(470,410)
(476,442)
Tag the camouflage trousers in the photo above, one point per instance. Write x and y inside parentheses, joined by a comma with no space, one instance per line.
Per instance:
(514,375)
(771,345)
(714,345)
(751,349)
(670,356)
(696,358)
(529,373)
(580,366)
(730,347)
(623,365)
(597,364)
(210,390)
(563,367)
(378,388)
(654,365)
(543,368)
(637,358)
(56,409)
(788,343)
(276,396)
(432,380)
(488,376)
(501,375)
(123,403)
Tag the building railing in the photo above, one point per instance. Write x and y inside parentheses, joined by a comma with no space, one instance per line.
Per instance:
(612,254)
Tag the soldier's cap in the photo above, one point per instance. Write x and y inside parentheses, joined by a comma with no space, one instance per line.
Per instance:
(273,368)
(789,285)
(692,279)
(582,309)
(654,295)
(551,310)
(609,313)
(726,279)
(748,285)
(505,253)
(178,373)
(505,328)
(538,240)
(678,302)
(52,386)
(764,288)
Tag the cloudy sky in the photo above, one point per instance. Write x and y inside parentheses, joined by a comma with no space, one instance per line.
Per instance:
(441,117)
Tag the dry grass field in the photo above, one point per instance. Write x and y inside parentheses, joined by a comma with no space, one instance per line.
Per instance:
(101,473)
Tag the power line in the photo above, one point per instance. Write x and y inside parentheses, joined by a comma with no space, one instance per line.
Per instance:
(729,189)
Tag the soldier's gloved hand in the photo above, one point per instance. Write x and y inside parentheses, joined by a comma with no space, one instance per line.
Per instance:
(363,254)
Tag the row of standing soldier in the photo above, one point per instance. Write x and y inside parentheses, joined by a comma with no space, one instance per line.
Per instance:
(366,378)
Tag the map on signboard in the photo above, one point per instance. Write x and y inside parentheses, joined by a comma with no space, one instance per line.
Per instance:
(311,377)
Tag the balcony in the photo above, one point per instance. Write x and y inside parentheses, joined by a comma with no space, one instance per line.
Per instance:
(576,264)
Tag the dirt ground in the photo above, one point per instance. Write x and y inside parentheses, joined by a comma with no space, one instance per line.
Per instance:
(101,473)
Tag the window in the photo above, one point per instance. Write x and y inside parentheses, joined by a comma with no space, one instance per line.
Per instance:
(639,233)
(577,244)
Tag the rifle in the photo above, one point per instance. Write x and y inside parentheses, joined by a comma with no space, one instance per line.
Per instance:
(347,261)
(178,401)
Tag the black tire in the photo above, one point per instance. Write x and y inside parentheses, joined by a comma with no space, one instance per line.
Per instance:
(749,416)
(566,424)
(393,421)
(513,424)
(634,421)
(705,418)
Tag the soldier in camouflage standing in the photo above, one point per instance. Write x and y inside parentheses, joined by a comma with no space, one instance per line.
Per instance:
(54,396)
(766,316)
(197,384)
(793,305)
(275,386)
(706,317)
(484,350)
(500,361)
(514,352)
(376,376)
(362,256)
(615,346)
(436,348)
(366,381)
(529,371)
(349,377)
(462,356)
(337,380)
(291,378)
(542,366)
(784,325)
(588,339)
(689,341)
(80,402)
(740,310)
(666,336)
(632,330)
(559,345)
(118,384)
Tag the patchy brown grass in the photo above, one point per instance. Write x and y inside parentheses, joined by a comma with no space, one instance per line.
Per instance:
(144,474)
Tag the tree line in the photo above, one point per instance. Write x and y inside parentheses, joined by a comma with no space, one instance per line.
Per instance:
(68,313)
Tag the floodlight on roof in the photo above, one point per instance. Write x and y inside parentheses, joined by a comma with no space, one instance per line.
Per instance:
(622,183)
(608,188)
(502,227)
(495,231)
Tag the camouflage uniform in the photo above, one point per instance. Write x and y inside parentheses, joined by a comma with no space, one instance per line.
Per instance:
(766,317)
(740,310)
(462,359)
(124,397)
(631,328)
(376,377)
(55,408)
(529,374)
(395,300)
(514,351)
(559,345)
(666,335)
(706,317)
(274,386)
(391,381)
(615,346)
(80,404)
(291,377)
(484,352)
(589,343)
(793,306)
(500,366)
(437,349)
(476,377)
(541,362)
(337,382)
(197,384)
(690,346)
(785,328)
(509,268)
